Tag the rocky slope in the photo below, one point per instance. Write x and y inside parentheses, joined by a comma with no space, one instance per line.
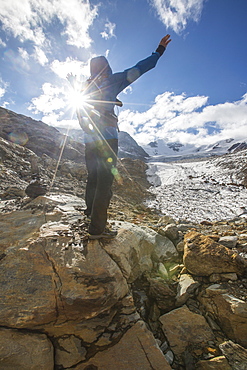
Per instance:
(164,294)
(37,136)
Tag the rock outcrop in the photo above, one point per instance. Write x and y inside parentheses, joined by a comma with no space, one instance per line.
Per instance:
(73,292)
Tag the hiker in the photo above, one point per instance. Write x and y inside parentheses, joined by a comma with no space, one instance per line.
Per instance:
(98,120)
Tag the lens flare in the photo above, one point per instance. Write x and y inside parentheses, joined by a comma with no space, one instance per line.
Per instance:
(117,175)
(20,138)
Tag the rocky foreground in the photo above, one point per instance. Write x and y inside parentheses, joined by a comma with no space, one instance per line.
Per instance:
(161,295)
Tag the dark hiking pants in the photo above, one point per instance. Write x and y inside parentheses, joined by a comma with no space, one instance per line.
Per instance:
(101,160)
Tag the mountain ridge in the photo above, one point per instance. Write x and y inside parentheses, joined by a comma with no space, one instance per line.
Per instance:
(160,150)
(45,139)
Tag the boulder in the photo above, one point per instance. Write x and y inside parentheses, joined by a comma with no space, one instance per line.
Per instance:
(52,282)
(135,249)
(35,188)
(171,231)
(162,294)
(137,349)
(235,354)
(22,351)
(229,311)
(17,227)
(229,241)
(164,249)
(69,351)
(186,331)
(28,285)
(203,256)
(214,278)
(186,287)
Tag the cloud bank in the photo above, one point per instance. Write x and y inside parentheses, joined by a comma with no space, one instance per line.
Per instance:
(175,14)
(188,120)
(172,118)
(29,20)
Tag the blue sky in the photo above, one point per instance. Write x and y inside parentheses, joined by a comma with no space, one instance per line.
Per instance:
(197,93)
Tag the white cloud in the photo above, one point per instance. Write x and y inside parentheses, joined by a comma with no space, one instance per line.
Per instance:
(2,92)
(23,53)
(77,17)
(54,120)
(50,101)
(27,20)
(2,43)
(78,68)
(3,87)
(55,106)
(187,120)
(108,31)
(40,56)
(5,104)
(175,14)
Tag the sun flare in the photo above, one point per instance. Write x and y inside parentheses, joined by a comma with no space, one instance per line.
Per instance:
(77,99)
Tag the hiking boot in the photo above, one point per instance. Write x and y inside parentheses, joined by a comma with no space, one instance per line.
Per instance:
(107,234)
(87,219)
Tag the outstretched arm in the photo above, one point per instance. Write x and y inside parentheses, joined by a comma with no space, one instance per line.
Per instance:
(123,79)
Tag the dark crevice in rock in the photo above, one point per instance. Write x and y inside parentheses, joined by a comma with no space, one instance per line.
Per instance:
(146,355)
(58,285)
(2,256)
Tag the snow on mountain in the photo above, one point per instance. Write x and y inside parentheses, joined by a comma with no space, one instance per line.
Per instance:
(200,189)
(162,151)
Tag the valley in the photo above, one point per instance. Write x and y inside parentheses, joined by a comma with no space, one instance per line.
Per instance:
(204,189)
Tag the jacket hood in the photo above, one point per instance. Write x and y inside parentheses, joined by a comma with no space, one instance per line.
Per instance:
(99,66)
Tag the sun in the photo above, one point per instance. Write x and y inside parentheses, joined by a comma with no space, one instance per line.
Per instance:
(77,99)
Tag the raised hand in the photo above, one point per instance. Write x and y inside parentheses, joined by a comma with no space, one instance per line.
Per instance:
(165,41)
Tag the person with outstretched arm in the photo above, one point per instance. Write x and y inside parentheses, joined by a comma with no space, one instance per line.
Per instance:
(99,122)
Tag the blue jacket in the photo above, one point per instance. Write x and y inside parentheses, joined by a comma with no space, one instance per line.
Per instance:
(111,84)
